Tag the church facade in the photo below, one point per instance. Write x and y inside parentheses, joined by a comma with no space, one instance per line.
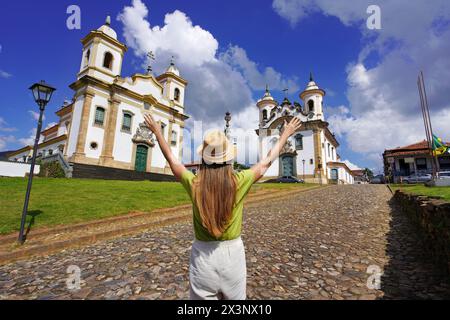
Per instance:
(103,124)
(311,153)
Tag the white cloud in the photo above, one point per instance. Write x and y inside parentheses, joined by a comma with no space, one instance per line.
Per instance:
(237,57)
(29,141)
(383,109)
(5,75)
(35,115)
(5,140)
(4,126)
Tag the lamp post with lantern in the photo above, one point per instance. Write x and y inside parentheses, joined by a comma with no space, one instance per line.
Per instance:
(42,93)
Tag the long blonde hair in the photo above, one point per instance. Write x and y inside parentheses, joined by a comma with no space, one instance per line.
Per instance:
(214,191)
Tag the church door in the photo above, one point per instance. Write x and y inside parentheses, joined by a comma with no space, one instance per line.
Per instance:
(141,158)
(287,166)
(334,174)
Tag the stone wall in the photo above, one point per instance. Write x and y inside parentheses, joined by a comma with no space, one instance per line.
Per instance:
(107,173)
(432,216)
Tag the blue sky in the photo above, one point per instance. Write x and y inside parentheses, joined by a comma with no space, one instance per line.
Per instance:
(290,37)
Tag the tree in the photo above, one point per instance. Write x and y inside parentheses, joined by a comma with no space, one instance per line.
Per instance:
(368,173)
(239,166)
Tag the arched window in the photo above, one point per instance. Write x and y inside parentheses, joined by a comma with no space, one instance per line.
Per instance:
(299,141)
(176,94)
(87,57)
(264,114)
(311,106)
(108,60)
(99,116)
(126,123)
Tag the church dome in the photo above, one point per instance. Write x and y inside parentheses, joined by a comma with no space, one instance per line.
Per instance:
(173,69)
(267,95)
(106,28)
(311,84)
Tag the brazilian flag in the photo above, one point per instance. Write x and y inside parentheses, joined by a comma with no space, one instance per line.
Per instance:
(438,146)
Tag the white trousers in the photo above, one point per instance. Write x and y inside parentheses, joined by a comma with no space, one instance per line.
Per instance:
(218,270)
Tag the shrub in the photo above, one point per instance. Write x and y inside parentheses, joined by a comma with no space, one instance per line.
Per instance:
(52,170)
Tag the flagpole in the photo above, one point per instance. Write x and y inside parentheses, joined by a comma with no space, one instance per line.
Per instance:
(427,122)
(431,127)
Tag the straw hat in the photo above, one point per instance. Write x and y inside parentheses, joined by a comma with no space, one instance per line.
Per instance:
(216,148)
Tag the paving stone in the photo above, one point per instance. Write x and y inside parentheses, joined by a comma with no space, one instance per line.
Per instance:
(314,245)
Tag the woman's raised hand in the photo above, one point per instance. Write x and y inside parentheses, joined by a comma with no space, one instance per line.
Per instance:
(151,123)
(293,126)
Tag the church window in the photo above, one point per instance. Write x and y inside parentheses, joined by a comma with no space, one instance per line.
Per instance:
(87,57)
(99,116)
(50,152)
(176,94)
(126,122)
(311,106)
(264,113)
(299,142)
(329,150)
(108,60)
(311,161)
(174,138)
(94,145)
(333,153)
(24,158)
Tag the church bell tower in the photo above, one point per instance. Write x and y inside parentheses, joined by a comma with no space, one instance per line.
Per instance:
(102,54)
(312,98)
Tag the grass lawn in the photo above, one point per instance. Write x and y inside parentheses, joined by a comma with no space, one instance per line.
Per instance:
(67,201)
(419,189)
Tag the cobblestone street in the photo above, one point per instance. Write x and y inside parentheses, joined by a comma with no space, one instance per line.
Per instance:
(315,245)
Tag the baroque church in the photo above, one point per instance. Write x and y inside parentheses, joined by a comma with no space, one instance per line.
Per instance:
(103,125)
(312,153)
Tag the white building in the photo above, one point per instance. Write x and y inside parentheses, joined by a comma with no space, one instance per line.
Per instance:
(103,125)
(311,153)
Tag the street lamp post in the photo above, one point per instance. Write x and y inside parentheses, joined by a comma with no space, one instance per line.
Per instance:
(42,94)
(227,124)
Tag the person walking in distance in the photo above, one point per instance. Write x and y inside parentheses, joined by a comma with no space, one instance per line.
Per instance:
(217,267)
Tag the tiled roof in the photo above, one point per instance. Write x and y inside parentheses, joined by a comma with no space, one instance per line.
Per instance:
(358,172)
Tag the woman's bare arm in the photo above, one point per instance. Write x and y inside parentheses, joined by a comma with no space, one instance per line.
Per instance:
(177,167)
(261,167)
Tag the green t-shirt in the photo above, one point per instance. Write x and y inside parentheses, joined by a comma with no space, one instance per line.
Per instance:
(244,180)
